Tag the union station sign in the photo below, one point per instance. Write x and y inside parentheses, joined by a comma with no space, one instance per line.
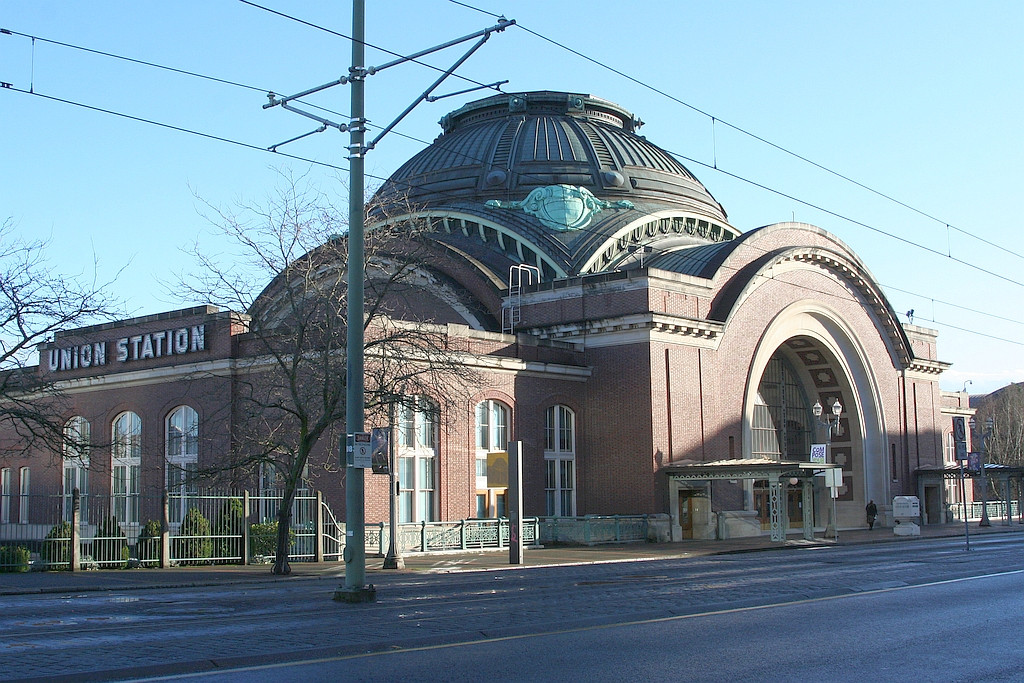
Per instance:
(176,342)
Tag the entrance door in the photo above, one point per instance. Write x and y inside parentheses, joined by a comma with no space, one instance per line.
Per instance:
(932,505)
(794,505)
(686,514)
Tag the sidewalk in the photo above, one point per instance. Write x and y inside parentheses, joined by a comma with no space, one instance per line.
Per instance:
(489,560)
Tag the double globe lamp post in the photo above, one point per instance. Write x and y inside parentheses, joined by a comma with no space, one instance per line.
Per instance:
(832,424)
(989,423)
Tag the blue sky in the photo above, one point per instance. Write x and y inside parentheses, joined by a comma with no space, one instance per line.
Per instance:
(919,101)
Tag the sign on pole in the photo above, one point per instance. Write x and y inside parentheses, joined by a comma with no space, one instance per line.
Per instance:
(960,437)
(497,470)
(380,439)
(360,451)
(834,480)
(818,453)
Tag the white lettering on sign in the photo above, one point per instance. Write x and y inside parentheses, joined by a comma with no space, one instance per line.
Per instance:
(75,357)
(138,347)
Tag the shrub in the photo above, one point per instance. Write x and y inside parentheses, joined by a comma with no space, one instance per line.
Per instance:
(192,545)
(149,542)
(263,539)
(110,547)
(227,530)
(14,558)
(56,550)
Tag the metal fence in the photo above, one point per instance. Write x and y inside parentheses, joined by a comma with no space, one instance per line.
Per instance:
(196,528)
(465,534)
(219,527)
(996,510)
(470,534)
(595,529)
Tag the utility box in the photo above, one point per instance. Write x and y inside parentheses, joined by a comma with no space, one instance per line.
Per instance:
(906,512)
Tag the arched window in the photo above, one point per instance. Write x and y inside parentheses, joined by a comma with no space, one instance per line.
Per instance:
(491,437)
(125,463)
(782,426)
(416,452)
(5,495)
(560,461)
(23,492)
(181,458)
(77,449)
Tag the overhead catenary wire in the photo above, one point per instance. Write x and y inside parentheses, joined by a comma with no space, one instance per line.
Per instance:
(324,164)
(712,166)
(752,135)
(386,51)
(341,168)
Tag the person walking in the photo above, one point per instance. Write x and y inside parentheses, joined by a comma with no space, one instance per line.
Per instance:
(872,512)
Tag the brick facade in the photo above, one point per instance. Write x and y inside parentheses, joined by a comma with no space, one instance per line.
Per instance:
(651,320)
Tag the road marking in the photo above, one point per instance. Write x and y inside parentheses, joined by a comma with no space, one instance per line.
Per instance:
(396,649)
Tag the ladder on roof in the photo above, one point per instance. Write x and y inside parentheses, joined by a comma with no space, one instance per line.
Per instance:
(511,313)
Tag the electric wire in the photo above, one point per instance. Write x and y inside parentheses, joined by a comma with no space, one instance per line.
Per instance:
(324,164)
(169,126)
(714,166)
(370,45)
(741,130)
(141,62)
(754,136)
(427,143)
(854,221)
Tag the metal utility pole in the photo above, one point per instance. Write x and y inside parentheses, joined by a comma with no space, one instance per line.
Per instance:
(355,588)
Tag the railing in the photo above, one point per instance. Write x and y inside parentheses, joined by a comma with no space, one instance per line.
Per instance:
(465,534)
(996,510)
(595,529)
(194,528)
(470,534)
(332,535)
(240,528)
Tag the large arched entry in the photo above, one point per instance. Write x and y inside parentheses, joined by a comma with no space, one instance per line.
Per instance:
(809,355)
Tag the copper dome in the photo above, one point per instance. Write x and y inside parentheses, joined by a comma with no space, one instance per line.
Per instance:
(502,147)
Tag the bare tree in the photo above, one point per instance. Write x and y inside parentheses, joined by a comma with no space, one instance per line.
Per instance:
(1000,421)
(1005,408)
(36,302)
(292,370)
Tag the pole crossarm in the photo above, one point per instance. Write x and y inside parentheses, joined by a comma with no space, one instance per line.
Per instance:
(435,98)
(359,73)
(275,100)
(484,35)
(321,129)
(342,127)
(502,24)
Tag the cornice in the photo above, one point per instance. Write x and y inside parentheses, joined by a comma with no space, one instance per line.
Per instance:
(633,328)
(925,368)
(220,368)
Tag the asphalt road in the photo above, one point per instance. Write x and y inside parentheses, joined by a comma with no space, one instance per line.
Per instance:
(832,613)
(964,630)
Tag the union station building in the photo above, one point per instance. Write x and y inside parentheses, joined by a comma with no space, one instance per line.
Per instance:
(651,357)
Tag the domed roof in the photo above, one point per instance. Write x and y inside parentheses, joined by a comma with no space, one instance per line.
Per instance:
(505,146)
(553,180)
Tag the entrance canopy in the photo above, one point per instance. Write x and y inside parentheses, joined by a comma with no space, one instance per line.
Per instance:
(992,471)
(777,472)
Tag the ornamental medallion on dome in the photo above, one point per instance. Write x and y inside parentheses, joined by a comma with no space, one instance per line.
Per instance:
(562,207)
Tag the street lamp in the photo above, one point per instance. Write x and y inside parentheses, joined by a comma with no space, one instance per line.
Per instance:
(393,559)
(832,528)
(989,422)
